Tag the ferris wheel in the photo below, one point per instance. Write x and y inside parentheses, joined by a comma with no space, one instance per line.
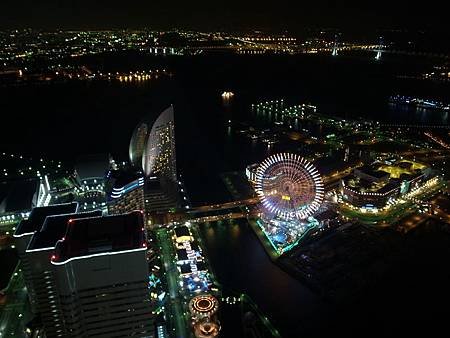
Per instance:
(289,186)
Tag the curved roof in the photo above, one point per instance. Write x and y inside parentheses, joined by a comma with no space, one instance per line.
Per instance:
(92,166)
(18,195)
(137,143)
(145,145)
(152,148)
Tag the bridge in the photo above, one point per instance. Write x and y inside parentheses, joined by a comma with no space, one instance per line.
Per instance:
(412,53)
(223,206)
(205,213)
(378,49)
(215,218)
(415,126)
(229,210)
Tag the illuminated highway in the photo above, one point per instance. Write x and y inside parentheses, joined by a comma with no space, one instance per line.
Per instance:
(227,205)
(232,215)
(440,207)
(191,214)
(175,311)
(14,314)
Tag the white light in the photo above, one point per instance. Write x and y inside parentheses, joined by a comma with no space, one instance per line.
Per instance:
(297,170)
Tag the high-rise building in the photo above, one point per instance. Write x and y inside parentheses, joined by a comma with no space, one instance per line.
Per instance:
(24,233)
(152,149)
(137,144)
(161,194)
(92,167)
(152,146)
(17,198)
(101,276)
(159,156)
(90,174)
(125,192)
(42,284)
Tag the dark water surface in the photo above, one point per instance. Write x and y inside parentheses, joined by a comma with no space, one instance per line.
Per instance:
(240,262)
(62,121)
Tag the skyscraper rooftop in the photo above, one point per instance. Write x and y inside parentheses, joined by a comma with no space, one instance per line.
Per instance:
(38,215)
(54,228)
(18,195)
(99,235)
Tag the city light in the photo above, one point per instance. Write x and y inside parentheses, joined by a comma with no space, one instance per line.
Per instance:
(269,177)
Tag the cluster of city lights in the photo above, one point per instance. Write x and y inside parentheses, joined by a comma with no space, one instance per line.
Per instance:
(289,186)
(197,279)
(437,140)
(227,95)
(270,39)
(139,76)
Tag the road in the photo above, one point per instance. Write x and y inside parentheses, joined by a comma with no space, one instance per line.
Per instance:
(175,313)
(15,313)
(398,211)
(227,205)
(231,215)
(441,208)
(380,218)
(410,222)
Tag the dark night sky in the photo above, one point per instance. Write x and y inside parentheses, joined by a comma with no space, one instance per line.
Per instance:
(223,14)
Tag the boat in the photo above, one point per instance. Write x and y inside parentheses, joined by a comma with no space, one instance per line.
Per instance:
(418,102)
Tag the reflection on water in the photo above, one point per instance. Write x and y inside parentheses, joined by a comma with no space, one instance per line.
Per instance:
(207,144)
(235,231)
(415,115)
(241,264)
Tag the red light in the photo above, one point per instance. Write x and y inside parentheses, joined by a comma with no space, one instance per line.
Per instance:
(144,245)
(70,220)
(53,257)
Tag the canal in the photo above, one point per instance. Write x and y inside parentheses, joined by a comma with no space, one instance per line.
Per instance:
(241,264)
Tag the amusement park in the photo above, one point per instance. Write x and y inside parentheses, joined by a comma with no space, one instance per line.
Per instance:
(248,180)
(291,192)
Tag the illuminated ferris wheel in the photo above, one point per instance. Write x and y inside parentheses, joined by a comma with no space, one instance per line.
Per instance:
(289,186)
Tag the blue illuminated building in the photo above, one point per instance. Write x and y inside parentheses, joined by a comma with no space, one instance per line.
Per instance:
(125,191)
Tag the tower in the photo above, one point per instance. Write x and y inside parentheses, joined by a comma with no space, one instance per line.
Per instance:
(152,146)
(152,150)
(137,144)
(335,47)
(159,156)
(380,46)
(101,274)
